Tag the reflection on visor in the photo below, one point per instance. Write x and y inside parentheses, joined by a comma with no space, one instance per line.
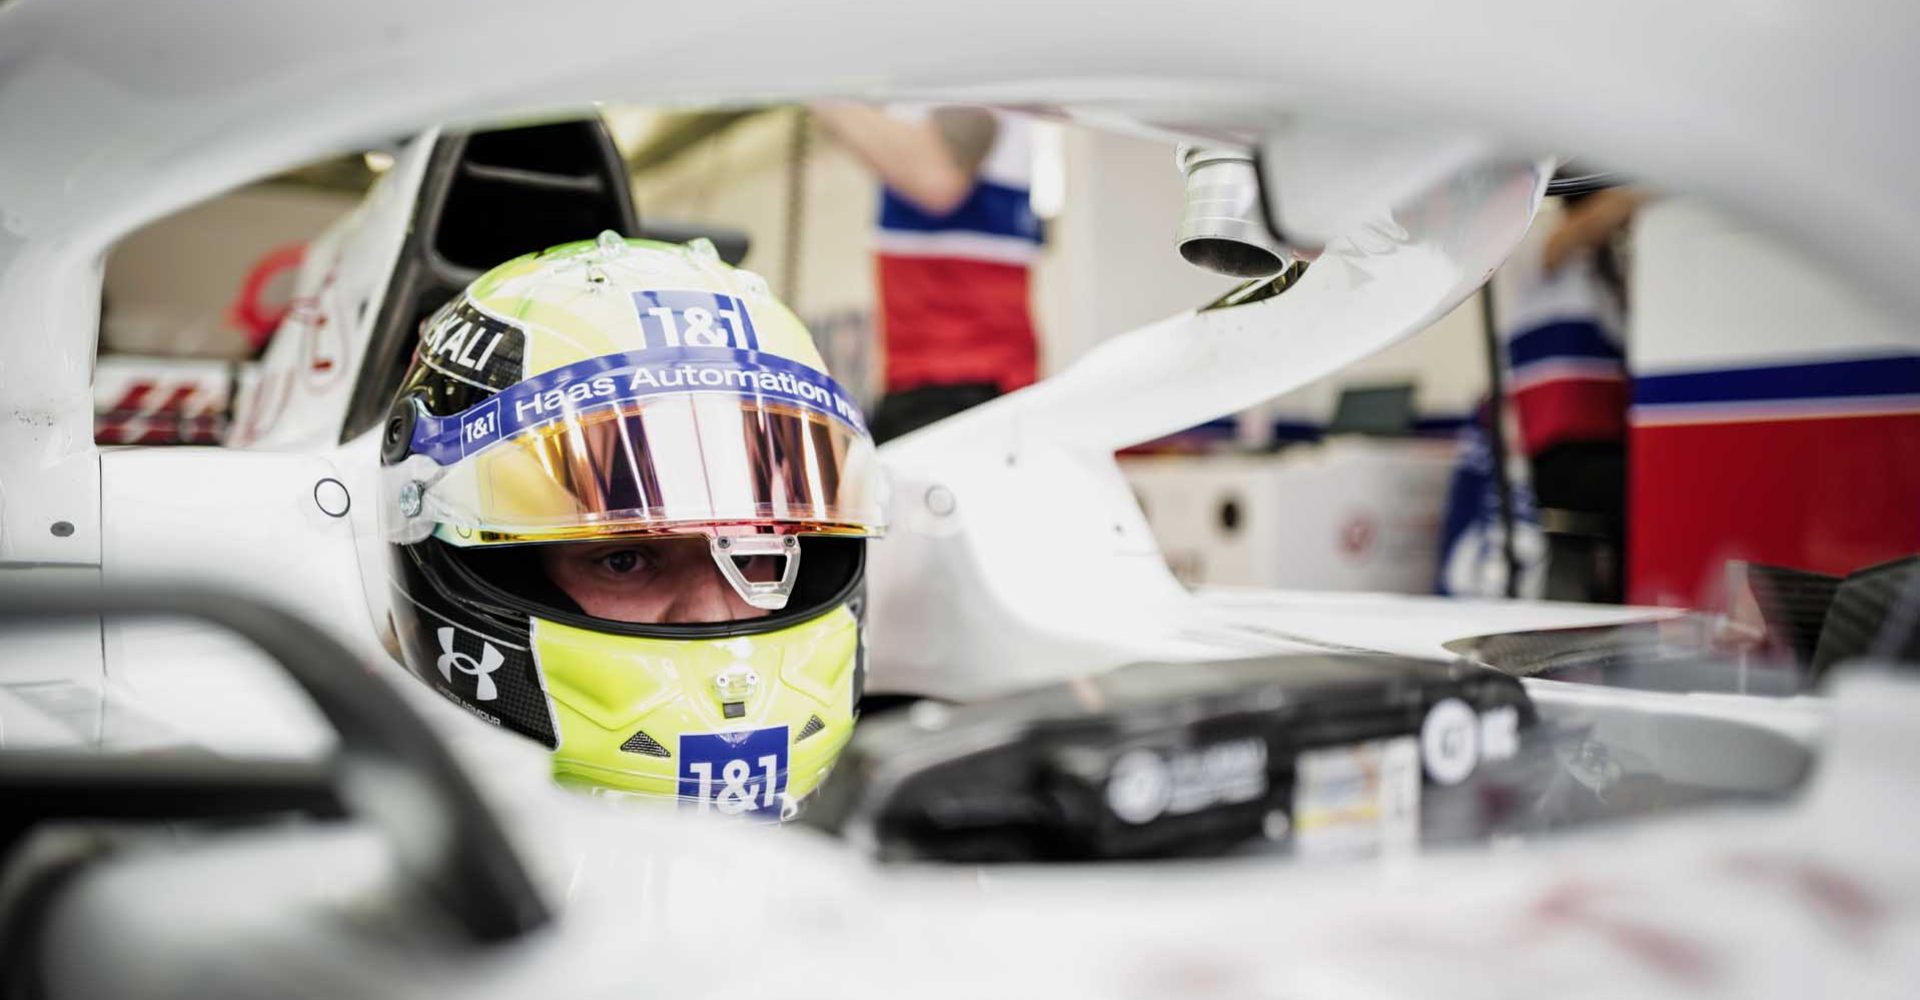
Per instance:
(649,440)
(658,464)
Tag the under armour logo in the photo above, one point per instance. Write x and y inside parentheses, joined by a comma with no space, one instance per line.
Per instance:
(490,660)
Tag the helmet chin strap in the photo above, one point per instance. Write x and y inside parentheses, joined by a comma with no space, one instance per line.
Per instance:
(771,596)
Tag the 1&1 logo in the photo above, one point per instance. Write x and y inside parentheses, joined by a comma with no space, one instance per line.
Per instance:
(481,670)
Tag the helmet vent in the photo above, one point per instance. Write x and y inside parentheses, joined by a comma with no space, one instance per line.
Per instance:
(645,745)
(813,725)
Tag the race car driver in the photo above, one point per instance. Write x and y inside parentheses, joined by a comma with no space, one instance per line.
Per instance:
(626,509)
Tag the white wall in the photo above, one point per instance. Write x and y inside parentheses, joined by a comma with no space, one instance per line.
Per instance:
(1110,263)
(1711,292)
(168,284)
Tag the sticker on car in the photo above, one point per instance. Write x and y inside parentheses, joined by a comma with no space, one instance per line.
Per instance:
(1357,800)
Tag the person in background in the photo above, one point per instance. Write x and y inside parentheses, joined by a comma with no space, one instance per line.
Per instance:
(956,240)
(1560,304)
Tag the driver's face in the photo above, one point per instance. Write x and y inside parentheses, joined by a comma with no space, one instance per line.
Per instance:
(652,581)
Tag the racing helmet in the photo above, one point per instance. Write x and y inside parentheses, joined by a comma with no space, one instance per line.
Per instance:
(636,426)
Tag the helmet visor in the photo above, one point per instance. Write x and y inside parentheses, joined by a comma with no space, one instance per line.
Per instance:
(625,447)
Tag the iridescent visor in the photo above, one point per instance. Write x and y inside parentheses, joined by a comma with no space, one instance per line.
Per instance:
(656,440)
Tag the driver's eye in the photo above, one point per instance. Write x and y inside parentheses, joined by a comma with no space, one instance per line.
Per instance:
(622,562)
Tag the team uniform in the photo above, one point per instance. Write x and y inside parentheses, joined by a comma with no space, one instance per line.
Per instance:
(955,315)
(1566,386)
(1567,369)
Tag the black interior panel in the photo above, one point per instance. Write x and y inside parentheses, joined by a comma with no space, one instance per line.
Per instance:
(488,197)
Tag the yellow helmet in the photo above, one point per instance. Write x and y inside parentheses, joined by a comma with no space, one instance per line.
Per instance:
(627,508)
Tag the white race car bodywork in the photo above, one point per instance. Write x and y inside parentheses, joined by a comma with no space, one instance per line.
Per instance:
(116,113)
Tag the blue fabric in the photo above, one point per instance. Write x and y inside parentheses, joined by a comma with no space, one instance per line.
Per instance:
(1472,555)
(993,209)
(1440,425)
(1564,339)
(1892,375)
